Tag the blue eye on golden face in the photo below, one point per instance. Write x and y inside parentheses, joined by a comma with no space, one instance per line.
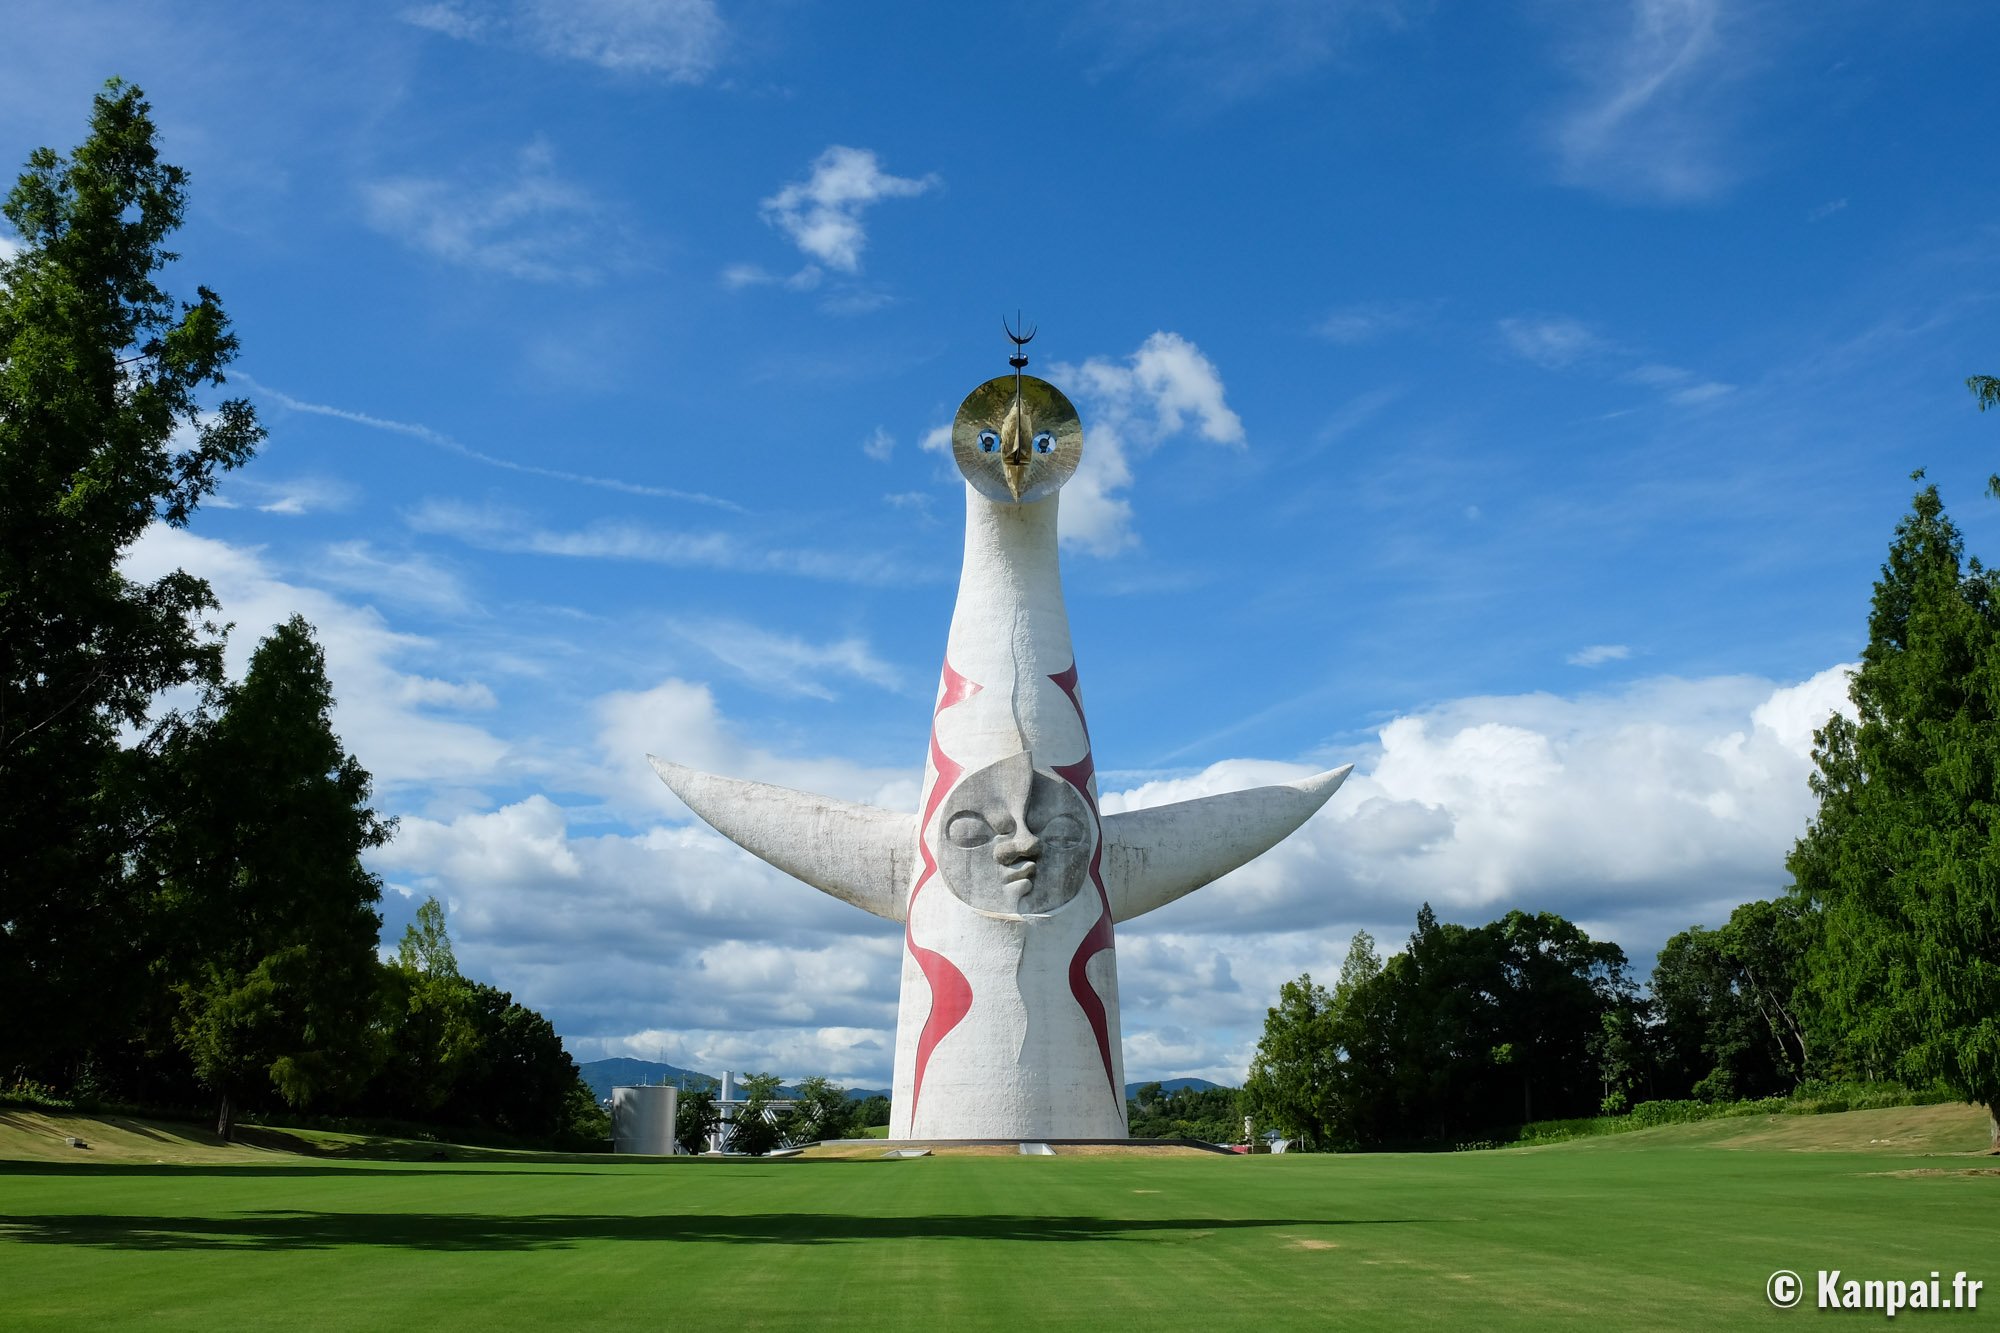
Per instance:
(989,440)
(1044,442)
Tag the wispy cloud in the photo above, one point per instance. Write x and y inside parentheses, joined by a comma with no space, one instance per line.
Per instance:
(738,276)
(1651,121)
(408,579)
(880,445)
(1369,320)
(298,495)
(822,214)
(529,223)
(9,247)
(678,40)
(785,663)
(1227,51)
(492,528)
(1551,341)
(450,445)
(1597,654)
(1826,210)
(1682,387)
(1559,342)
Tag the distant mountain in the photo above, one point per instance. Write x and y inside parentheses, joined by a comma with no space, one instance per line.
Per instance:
(1171,1085)
(625,1072)
(622,1072)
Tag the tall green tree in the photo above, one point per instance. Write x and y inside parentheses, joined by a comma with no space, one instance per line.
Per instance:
(695,1118)
(758,1126)
(104,430)
(1726,1000)
(821,1110)
(518,1079)
(1902,861)
(432,1038)
(264,858)
(1291,1084)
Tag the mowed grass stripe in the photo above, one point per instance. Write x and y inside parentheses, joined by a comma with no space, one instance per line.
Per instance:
(1643,1232)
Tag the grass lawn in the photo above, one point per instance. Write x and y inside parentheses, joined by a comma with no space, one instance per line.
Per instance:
(1670,1228)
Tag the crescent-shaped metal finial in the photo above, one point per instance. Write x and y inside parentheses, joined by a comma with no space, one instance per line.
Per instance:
(1020,358)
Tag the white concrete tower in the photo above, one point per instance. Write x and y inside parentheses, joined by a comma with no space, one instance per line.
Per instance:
(1009,882)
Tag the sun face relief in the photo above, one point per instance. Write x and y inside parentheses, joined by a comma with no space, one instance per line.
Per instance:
(1014,841)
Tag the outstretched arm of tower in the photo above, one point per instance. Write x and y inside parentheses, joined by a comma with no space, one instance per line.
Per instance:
(857,853)
(1154,856)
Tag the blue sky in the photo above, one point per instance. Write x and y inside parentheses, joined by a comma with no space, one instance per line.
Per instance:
(1515,401)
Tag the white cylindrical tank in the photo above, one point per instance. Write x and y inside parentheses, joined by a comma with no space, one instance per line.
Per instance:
(642,1120)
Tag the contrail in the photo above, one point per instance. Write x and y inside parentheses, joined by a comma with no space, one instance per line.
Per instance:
(449,445)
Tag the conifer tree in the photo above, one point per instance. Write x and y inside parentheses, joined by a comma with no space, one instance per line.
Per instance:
(265,860)
(1902,861)
(102,432)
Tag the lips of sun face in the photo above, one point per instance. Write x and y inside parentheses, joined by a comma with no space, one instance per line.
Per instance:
(1015,841)
(1017,448)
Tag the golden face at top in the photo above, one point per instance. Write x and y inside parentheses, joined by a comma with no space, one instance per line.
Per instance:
(1017,439)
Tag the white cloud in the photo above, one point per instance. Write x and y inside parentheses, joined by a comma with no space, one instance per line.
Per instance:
(678,720)
(1597,654)
(822,214)
(1826,210)
(1550,341)
(785,663)
(1654,805)
(530,224)
(9,247)
(1636,813)
(678,40)
(880,445)
(493,529)
(937,440)
(1133,405)
(380,708)
(1651,120)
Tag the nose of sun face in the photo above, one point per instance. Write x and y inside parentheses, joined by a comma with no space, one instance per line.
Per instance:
(1021,845)
(1016,451)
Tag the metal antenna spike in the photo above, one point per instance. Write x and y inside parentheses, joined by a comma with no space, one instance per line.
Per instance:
(1020,358)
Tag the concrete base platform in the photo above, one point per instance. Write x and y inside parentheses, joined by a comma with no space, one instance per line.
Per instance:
(1057,1147)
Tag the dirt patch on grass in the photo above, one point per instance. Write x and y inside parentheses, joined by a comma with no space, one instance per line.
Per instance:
(1306,1243)
(1942,1171)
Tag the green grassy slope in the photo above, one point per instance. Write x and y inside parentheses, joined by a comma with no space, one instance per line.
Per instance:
(1663,1229)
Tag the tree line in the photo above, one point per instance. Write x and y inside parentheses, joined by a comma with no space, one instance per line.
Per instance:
(1880,961)
(183,907)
